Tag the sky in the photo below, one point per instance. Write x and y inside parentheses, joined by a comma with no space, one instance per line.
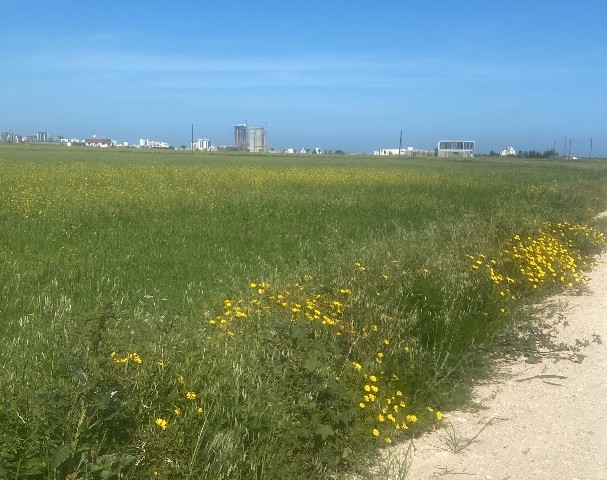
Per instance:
(348,74)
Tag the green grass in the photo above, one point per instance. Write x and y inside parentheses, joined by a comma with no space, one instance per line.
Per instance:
(154,252)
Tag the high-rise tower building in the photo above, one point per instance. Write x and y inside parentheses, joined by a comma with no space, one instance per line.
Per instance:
(257,139)
(252,139)
(240,137)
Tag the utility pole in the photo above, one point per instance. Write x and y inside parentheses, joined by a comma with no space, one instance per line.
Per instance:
(400,145)
(569,154)
(590,148)
(192,138)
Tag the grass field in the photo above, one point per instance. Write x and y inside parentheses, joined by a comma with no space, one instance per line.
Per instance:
(166,314)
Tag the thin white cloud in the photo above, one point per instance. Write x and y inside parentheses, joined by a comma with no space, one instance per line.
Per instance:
(310,71)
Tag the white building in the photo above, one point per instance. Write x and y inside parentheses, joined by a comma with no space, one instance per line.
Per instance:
(99,142)
(508,152)
(390,151)
(203,144)
(145,143)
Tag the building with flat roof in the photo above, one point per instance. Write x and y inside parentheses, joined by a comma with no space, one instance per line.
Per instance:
(202,144)
(240,137)
(100,142)
(257,139)
(453,148)
(251,139)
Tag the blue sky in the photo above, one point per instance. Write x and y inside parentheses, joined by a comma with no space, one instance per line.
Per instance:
(344,75)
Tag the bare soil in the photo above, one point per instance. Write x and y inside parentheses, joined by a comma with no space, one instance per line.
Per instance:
(538,421)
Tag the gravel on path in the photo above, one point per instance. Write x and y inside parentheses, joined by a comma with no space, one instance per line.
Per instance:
(540,421)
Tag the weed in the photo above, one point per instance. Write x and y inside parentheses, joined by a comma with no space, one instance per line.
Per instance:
(455,443)
(269,319)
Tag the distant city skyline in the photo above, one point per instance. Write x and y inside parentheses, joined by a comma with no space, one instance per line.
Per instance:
(254,139)
(344,76)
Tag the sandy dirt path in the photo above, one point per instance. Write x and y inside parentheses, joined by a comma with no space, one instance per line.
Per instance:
(541,421)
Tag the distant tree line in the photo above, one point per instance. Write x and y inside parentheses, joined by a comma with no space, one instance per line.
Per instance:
(537,154)
(531,153)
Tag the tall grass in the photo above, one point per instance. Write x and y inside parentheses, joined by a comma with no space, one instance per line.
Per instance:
(181,315)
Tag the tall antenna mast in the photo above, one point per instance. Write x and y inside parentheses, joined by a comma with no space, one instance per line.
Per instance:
(590,148)
(400,145)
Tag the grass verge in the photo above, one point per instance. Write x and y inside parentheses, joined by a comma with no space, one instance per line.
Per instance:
(189,316)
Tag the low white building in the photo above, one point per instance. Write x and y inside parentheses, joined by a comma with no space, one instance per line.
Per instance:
(100,142)
(390,151)
(145,143)
(203,144)
(508,152)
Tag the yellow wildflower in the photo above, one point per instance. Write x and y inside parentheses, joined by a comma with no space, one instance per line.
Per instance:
(162,423)
(135,358)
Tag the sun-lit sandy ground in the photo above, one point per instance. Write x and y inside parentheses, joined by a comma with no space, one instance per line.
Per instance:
(541,421)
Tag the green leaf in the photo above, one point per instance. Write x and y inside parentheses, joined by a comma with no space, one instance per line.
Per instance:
(33,467)
(346,453)
(298,332)
(324,431)
(311,363)
(60,455)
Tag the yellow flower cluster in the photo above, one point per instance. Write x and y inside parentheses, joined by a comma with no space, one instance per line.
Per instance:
(550,257)
(389,411)
(190,396)
(130,357)
(295,305)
